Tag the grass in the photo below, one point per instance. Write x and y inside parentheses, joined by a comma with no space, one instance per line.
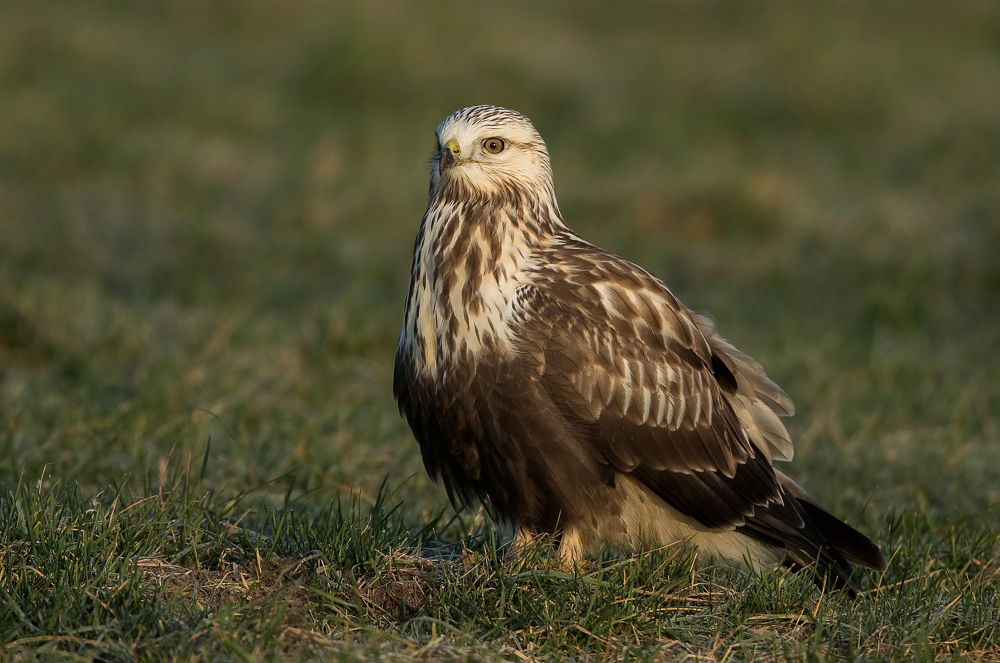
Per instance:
(206,216)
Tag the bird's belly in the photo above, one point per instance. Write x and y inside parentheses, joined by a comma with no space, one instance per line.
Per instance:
(645,522)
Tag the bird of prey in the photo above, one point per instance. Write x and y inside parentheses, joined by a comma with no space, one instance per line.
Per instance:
(568,390)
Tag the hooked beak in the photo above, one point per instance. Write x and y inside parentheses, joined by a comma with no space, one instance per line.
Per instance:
(449,155)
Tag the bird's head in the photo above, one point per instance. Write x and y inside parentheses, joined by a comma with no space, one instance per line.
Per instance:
(490,153)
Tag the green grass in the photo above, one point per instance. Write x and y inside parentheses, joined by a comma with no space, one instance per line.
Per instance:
(206,218)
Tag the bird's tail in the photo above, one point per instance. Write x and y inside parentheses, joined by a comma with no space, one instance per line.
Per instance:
(831,545)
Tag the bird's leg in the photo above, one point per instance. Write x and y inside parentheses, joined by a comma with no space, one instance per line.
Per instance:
(520,544)
(570,550)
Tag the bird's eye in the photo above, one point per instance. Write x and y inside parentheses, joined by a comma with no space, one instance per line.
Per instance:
(493,145)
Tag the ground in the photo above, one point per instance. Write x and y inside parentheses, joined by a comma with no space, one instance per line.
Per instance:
(206,218)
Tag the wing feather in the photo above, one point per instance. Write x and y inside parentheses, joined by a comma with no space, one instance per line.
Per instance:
(651,409)
(758,401)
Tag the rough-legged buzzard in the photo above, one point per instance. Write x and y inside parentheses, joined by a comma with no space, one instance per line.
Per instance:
(569,390)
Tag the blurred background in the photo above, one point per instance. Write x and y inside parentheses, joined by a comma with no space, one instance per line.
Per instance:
(207,212)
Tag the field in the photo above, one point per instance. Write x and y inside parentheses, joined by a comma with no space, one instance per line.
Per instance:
(207,212)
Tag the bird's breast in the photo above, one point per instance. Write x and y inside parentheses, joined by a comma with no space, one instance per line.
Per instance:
(464,279)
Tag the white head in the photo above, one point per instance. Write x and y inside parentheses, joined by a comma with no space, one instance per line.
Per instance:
(490,153)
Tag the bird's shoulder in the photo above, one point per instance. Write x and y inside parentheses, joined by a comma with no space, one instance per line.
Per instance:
(579,288)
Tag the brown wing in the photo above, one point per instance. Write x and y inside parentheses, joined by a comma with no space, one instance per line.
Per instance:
(631,371)
(655,393)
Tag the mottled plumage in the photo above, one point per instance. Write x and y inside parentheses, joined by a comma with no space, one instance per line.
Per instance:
(568,389)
